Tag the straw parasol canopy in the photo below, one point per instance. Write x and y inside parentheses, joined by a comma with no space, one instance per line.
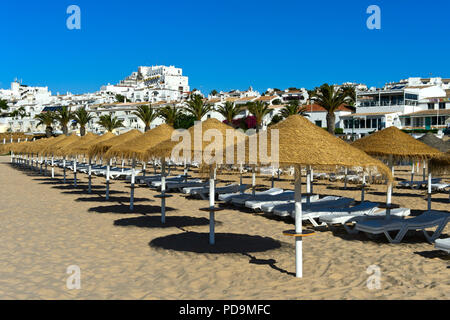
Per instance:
(40,145)
(101,148)
(394,142)
(441,163)
(37,144)
(19,147)
(54,147)
(431,140)
(137,148)
(67,149)
(204,149)
(82,148)
(300,142)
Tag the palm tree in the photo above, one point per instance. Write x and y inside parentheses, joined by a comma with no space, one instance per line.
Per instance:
(197,108)
(329,98)
(3,107)
(20,112)
(259,110)
(350,93)
(82,117)
(170,114)
(46,119)
(63,116)
(229,111)
(109,122)
(293,108)
(147,114)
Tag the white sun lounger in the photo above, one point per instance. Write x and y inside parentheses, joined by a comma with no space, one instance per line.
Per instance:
(428,219)
(257,205)
(268,207)
(343,218)
(185,184)
(418,184)
(285,210)
(442,244)
(157,183)
(261,200)
(439,186)
(241,198)
(145,179)
(203,192)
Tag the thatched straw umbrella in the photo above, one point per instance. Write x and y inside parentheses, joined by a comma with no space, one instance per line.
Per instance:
(82,148)
(66,150)
(196,143)
(298,142)
(441,165)
(54,149)
(100,149)
(393,144)
(136,149)
(431,140)
(17,152)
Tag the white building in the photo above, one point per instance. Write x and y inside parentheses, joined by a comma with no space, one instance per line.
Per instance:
(400,104)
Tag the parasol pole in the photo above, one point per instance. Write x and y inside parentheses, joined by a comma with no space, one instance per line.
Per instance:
(163,190)
(363,186)
(75,171)
(90,175)
(133,178)
(64,169)
(53,167)
(298,224)
(429,188)
(241,169)
(212,239)
(108,168)
(273,177)
(345,178)
(253,181)
(389,191)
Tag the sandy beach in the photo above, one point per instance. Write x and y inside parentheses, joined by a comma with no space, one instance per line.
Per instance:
(47,226)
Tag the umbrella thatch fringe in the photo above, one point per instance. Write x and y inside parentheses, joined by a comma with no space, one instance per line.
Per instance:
(440,164)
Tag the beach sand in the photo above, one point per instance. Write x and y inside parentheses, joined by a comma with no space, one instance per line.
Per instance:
(47,226)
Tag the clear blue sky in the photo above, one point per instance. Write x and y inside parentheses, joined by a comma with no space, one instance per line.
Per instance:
(223,44)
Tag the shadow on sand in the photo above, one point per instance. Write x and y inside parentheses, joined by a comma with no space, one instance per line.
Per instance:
(228,243)
(101,198)
(225,243)
(155,222)
(125,209)
(434,254)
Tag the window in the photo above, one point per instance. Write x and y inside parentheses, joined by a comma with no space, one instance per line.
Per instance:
(408,122)
(441,105)
(374,124)
(346,124)
(362,123)
(318,123)
(431,106)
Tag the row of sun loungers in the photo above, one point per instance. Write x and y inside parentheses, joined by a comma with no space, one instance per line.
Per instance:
(418,184)
(428,219)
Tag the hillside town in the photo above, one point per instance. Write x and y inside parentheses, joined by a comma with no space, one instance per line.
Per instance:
(414,104)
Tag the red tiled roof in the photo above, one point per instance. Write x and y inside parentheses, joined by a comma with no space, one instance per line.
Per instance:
(317,108)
